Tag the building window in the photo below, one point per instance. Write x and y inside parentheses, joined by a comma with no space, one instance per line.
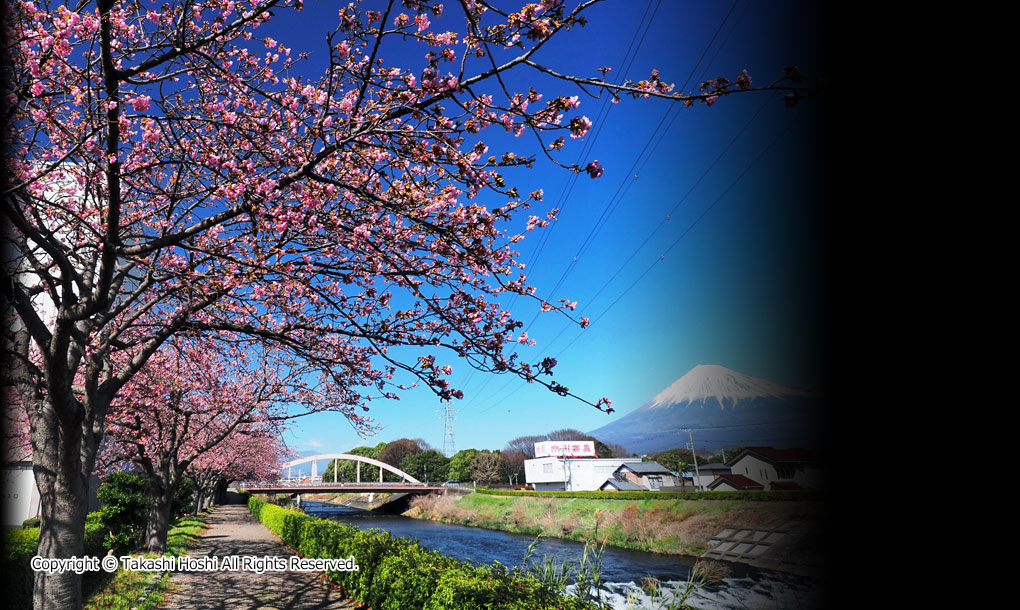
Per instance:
(654,482)
(547,468)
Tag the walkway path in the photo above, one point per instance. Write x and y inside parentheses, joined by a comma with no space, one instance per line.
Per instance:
(234,531)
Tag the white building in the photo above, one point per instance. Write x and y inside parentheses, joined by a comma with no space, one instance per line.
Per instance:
(780,468)
(21,497)
(571,474)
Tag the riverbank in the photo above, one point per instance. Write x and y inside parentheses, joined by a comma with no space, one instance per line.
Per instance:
(671,526)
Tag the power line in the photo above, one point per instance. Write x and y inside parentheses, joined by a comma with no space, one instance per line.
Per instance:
(600,120)
(672,211)
(605,109)
(691,227)
(617,198)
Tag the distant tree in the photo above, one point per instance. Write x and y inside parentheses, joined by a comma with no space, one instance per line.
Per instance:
(602,450)
(424,444)
(728,454)
(673,458)
(395,452)
(513,467)
(191,395)
(618,450)
(348,470)
(567,434)
(526,444)
(485,467)
(428,464)
(460,465)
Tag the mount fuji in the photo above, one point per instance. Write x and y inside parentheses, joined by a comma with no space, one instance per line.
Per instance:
(722,408)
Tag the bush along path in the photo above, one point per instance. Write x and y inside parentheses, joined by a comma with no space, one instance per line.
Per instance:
(233,532)
(120,590)
(399,574)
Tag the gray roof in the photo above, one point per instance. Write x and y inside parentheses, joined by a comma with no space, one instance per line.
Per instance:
(622,485)
(714,466)
(646,467)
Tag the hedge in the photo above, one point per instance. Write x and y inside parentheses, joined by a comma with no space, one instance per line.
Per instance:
(761,496)
(399,574)
(18,546)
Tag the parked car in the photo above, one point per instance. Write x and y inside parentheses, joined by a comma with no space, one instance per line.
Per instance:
(451,484)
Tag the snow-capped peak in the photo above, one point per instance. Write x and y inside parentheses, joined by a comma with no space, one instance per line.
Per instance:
(711,380)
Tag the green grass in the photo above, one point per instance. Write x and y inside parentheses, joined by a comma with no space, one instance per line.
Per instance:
(123,590)
(661,523)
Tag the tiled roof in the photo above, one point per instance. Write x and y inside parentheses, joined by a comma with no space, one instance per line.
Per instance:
(712,466)
(780,456)
(622,485)
(736,480)
(646,467)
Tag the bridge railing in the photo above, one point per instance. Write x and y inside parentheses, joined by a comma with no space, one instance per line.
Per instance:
(338,485)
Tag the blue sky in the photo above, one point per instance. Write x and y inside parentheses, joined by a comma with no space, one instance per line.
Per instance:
(734,277)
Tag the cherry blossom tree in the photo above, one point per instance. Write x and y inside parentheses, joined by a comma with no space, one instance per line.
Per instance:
(249,452)
(191,397)
(171,171)
(17,438)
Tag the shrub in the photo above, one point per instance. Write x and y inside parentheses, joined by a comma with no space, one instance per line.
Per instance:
(408,576)
(18,546)
(20,543)
(398,573)
(125,498)
(184,498)
(30,523)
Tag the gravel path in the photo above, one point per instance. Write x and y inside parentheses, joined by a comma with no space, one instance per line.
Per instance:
(234,531)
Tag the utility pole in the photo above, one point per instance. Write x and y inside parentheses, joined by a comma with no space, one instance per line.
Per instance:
(448,414)
(690,445)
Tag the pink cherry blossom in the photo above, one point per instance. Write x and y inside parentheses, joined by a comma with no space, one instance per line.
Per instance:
(318,223)
(141,103)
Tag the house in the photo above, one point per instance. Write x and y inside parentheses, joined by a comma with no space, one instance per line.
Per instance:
(706,473)
(784,467)
(649,475)
(734,482)
(620,484)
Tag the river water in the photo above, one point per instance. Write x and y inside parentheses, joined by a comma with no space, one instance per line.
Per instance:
(746,588)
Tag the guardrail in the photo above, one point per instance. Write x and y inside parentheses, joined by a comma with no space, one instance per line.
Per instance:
(338,485)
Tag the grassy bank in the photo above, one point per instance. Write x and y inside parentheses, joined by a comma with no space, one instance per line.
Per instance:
(120,590)
(675,526)
(130,590)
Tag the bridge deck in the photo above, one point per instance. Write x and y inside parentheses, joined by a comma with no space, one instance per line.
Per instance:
(270,488)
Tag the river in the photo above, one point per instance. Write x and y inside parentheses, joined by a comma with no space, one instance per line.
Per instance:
(746,588)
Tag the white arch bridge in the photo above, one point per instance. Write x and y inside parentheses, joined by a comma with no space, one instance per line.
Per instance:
(314,483)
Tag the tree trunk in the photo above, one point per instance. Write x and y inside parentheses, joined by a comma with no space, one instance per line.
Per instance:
(220,491)
(197,500)
(57,460)
(158,524)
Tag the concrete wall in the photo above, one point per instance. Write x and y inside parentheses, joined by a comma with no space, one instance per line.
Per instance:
(20,496)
